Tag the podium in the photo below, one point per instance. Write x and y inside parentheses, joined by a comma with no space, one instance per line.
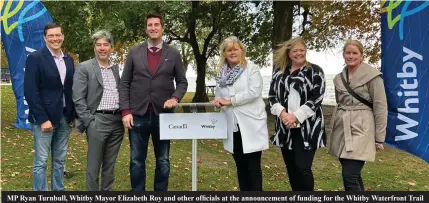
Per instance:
(194,126)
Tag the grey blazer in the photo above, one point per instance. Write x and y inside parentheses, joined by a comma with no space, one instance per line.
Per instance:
(88,89)
(139,86)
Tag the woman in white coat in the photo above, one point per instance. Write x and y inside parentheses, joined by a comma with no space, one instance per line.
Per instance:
(239,93)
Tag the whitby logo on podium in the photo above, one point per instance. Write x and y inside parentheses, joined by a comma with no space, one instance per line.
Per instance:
(212,126)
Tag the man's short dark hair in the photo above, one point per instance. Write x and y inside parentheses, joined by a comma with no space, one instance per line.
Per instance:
(156,15)
(50,26)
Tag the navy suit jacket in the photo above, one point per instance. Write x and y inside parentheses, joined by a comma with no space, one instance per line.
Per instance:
(43,89)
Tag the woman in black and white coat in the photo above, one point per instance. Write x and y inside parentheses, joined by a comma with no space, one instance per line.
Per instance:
(295,97)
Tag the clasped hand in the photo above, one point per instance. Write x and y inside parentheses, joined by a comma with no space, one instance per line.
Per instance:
(288,119)
(221,102)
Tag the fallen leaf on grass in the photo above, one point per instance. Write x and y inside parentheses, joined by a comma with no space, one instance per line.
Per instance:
(27,174)
(225,162)
(266,166)
(411,183)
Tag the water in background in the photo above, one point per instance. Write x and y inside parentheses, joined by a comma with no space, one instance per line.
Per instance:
(329,98)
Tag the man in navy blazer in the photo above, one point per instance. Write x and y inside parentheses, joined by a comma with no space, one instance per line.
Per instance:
(48,91)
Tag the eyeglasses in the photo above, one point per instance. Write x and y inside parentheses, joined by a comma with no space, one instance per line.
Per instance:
(53,36)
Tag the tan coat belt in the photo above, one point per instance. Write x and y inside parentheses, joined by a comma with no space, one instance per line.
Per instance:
(347,123)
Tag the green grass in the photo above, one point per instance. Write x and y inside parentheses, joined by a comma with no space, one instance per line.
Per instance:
(393,169)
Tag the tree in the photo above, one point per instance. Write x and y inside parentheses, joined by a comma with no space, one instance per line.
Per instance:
(75,24)
(185,52)
(283,21)
(334,22)
(201,26)
(327,24)
(83,18)
(221,19)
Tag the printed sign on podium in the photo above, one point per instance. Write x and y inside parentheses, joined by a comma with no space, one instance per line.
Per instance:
(175,126)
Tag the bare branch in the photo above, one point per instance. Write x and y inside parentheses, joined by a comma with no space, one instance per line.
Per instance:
(178,37)
(211,51)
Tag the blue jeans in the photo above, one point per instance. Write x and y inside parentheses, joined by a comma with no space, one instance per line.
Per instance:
(54,142)
(143,127)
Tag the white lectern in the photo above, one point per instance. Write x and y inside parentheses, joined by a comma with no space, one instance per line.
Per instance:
(193,126)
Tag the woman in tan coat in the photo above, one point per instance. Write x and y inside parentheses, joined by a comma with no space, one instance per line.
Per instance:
(360,118)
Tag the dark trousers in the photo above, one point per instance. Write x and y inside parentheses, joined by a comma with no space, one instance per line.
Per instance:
(351,171)
(298,163)
(248,166)
(144,126)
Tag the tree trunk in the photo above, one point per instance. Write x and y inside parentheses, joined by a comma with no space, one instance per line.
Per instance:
(200,91)
(185,56)
(282,26)
(283,21)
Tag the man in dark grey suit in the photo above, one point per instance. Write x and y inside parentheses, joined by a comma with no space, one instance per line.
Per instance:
(96,98)
(147,89)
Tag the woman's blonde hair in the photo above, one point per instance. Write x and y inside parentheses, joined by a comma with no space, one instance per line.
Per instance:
(354,42)
(281,55)
(232,41)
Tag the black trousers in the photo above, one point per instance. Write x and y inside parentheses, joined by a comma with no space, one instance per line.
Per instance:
(351,171)
(249,171)
(298,163)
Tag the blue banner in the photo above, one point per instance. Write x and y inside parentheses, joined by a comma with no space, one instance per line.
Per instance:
(405,67)
(22,24)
